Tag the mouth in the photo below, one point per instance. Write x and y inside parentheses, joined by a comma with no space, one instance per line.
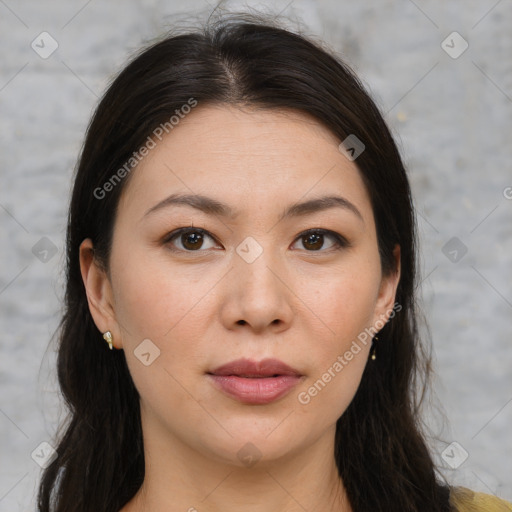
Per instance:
(253,382)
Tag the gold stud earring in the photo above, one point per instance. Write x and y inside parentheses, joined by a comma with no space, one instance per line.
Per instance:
(374,356)
(108,338)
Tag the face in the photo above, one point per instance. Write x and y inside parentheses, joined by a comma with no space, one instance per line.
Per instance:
(243,282)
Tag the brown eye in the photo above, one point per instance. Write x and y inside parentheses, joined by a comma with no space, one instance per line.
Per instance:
(191,239)
(314,239)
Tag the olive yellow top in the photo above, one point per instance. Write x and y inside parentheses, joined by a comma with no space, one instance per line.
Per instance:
(466,500)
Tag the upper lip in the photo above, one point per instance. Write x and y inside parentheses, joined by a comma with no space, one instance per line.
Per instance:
(250,368)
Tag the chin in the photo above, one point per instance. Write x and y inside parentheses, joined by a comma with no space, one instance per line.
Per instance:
(254,443)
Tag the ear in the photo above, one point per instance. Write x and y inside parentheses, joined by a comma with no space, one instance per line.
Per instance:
(387,291)
(99,292)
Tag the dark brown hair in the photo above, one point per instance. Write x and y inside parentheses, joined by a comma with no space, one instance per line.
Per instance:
(380,450)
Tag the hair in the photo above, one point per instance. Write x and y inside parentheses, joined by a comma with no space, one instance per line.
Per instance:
(241,60)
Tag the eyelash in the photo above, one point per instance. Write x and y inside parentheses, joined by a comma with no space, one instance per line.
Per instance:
(340,242)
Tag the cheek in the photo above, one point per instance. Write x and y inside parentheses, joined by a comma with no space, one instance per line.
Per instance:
(346,305)
(326,395)
(152,298)
(168,306)
(346,302)
(163,306)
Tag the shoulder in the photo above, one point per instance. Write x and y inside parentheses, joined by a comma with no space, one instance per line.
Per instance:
(466,500)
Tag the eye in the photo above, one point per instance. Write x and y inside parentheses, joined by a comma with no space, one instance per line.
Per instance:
(314,239)
(192,239)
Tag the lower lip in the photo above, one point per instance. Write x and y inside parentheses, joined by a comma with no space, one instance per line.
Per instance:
(256,391)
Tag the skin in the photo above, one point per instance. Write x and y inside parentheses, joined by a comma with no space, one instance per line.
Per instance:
(300,305)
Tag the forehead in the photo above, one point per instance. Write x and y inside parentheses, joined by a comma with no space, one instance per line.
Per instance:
(249,158)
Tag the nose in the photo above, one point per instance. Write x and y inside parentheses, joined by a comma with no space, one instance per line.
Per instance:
(257,295)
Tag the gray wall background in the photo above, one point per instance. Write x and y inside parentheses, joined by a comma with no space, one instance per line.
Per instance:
(451,116)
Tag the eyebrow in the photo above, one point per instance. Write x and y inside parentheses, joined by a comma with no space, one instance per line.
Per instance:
(212,206)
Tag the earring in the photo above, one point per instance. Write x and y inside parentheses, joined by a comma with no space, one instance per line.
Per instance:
(108,338)
(373,355)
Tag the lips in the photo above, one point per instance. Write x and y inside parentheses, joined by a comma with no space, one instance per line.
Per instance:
(254,369)
(255,382)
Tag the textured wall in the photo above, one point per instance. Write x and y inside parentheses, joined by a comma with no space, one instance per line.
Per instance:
(451,113)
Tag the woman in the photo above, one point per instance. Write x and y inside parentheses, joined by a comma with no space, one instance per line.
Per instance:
(241,237)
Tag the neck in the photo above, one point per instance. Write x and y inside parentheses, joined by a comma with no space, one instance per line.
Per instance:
(180,478)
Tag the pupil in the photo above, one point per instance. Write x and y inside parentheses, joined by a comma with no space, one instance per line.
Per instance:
(314,239)
(193,239)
